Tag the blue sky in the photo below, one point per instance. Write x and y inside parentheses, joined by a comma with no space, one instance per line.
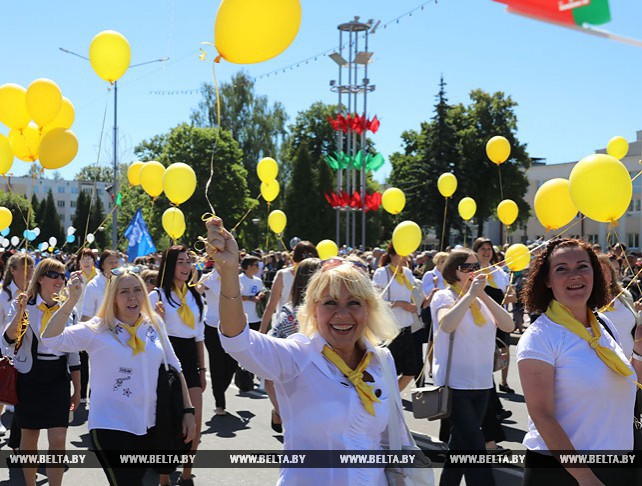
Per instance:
(574,91)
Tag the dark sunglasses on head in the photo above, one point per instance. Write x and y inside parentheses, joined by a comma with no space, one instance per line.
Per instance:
(336,261)
(127,268)
(469,267)
(55,275)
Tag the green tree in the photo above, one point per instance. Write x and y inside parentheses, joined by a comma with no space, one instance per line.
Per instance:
(302,214)
(79,221)
(97,221)
(50,224)
(20,208)
(95,173)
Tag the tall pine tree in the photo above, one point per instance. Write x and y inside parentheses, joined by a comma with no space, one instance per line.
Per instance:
(50,223)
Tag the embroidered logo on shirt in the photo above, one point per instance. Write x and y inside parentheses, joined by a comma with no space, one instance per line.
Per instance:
(127,371)
(119,382)
(127,392)
(151,334)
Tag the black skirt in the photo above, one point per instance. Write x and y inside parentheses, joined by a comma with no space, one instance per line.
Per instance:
(185,349)
(44,395)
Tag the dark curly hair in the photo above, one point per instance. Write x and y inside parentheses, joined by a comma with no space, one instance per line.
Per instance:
(536,294)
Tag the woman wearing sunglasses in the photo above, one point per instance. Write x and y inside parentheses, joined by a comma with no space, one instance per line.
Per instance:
(44,374)
(127,345)
(465,314)
(329,381)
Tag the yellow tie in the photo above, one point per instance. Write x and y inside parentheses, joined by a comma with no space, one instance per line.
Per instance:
(47,312)
(401,277)
(490,280)
(91,275)
(365,391)
(561,315)
(185,313)
(475,308)
(136,343)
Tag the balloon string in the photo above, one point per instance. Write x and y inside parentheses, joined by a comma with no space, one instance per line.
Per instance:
(512,274)
(85,245)
(443,228)
(385,289)
(638,174)
(247,213)
(628,263)
(218,97)
(634,279)
(267,233)
(501,189)
(218,123)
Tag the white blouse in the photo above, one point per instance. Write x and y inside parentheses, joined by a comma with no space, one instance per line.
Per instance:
(212,283)
(123,385)
(173,322)
(395,291)
(624,321)
(321,409)
(94,295)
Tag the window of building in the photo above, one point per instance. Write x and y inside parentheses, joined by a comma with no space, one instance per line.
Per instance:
(634,205)
(637,183)
(61,204)
(61,189)
(74,189)
(633,240)
(36,189)
(72,204)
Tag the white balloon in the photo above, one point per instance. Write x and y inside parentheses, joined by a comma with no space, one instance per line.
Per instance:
(71,230)
(36,230)
(15,240)
(5,242)
(53,241)
(43,246)
(90,237)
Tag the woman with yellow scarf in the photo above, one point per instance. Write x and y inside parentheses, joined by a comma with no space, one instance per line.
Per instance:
(578,384)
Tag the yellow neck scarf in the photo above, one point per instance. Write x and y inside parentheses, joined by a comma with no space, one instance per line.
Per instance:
(400,276)
(610,307)
(475,308)
(47,312)
(490,279)
(185,313)
(365,391)
(91,275)
(561,315)
(136,343)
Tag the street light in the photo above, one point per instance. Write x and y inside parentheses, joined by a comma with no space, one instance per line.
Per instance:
(256,222)
(114,234)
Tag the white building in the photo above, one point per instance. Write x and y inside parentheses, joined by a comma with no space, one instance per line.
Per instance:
(65,193)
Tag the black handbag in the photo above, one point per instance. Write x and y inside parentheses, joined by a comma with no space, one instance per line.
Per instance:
(244,379)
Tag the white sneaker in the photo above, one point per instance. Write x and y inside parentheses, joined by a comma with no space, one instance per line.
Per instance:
(3,430)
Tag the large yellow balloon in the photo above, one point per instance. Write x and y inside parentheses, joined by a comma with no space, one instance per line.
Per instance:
(270,189)
(64,118)
(277,221)
(267,169)
(250,31)
(617,147)
(507,211)
(517,257)
(25,143)
(393,200)
(601,187)
(498,150)
(133,173)
(110,55)
(5,218)
(58,148)
(179,182)
(447,184)
(554,207)
(174,223)
(327,249)
(406,238)
(44,100)
(6,154)
(467,208)
(151,178)
(13,106)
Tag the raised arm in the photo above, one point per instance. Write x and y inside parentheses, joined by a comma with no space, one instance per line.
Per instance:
(450,318)
(59,320)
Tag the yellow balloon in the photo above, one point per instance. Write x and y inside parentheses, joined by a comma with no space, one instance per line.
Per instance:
(393,200)
(447,184)
(5,218)
(133,173)
(25,143)
(179,182)
(507,211)
(467,208)
(554,207)
(109,55)
(270,189)
(251,31)
(327,249)
(406,238)
(174,223)
(6,154)
(498,150)
(267,169)
(44,100)
(601,187)
(617,147)
(58,148)
(277,221)
(151,177)
(64,118)
(13,106)
(517,257)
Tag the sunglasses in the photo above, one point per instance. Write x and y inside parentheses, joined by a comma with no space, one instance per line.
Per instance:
(336,261)
(469,267)
(55,275)
(126,269)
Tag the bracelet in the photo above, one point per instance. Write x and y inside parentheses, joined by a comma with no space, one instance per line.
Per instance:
(231,298)
(191,410)
(636,356)
(201,369)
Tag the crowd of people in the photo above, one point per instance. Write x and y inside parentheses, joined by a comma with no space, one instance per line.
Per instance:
(95,329)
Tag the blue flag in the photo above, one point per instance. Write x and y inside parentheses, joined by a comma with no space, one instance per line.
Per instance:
(140,241)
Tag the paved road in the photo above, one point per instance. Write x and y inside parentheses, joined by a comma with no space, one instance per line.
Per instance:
(247,427)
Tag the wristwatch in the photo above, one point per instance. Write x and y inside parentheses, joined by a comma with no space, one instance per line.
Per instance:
(191,410)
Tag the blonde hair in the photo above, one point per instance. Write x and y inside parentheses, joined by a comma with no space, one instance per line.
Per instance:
(46,265)
(380,326)
(440,256)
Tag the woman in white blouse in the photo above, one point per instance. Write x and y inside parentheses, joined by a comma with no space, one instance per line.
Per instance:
(342,320)
(126,344)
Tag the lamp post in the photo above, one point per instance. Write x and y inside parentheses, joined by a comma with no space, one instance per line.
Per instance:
(256,222)
(114,234)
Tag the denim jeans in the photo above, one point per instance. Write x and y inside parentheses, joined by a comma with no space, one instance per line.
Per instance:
(468,409)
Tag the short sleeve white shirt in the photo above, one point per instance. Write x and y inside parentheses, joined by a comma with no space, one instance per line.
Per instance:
(394,292)
(250,286)
(624,321)
(94,295)
(173,322)
(427,281)
(212,283)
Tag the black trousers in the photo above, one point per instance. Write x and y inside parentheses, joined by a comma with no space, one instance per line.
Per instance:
(222,365)
(84,374)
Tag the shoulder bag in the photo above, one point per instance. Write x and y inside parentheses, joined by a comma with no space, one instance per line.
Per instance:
(434,402)
(420,473)
(8,381)
(502,355)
